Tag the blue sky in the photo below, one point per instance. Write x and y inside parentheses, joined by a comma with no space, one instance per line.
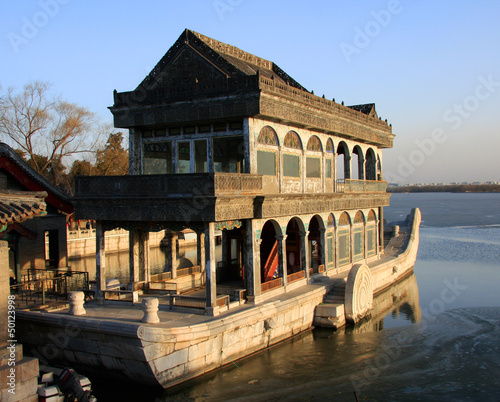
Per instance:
(432,68)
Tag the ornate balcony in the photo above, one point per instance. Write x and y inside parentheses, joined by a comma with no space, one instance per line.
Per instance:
(168,186)
(360,186)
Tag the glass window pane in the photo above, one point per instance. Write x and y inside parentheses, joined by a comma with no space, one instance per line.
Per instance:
(200,152)
(313,167)
(183,158)
(344,247)
(266,163)
(158,158)
(328,168)
(291,165)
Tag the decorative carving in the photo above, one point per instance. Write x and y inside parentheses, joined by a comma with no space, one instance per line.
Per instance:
(358,293)
(292,140)
(227,225)
(267,136)
(314,144)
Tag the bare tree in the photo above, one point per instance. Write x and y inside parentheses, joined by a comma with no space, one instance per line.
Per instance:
(44,125)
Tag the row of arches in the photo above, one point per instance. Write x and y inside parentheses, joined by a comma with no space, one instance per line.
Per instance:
(350,164)
(306,248)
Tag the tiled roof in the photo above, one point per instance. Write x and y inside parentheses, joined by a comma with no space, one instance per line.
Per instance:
(31,180)
(230,59)
(17,206)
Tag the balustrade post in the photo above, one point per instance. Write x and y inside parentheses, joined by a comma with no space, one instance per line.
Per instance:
(150,308)
(76,301)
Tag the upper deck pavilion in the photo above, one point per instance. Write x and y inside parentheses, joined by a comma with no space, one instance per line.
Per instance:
(202,80)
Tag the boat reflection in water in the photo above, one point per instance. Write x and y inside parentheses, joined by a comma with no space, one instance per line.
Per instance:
(394,306)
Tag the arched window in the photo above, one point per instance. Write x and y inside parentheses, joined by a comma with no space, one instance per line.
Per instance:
(314,144)
(313,164)
(330,221)
(371,165)
(266,160)
(359,236)
(344,239)
(291,161)
(359,218)
(267,136)
(292,140)
(293,247)
(269,254)
(371,234)
(358,163)
(330,242)
(329,146)
(343,162)
(316,243)
(329,159)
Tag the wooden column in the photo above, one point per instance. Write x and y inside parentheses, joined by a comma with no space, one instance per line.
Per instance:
(210,272)
(100,259)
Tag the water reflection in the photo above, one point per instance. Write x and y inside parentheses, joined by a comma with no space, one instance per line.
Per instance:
(396,306)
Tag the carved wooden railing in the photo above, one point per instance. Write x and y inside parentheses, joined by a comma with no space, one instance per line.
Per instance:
(275,283)
(167,185)
(296,276)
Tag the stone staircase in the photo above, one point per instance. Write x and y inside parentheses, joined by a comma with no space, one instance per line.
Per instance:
(337,294)
(331,313)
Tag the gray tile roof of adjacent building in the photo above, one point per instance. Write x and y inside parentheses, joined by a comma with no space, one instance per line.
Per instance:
(17,206)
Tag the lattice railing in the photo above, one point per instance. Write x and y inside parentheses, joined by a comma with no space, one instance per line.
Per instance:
(296,276)
(275,283)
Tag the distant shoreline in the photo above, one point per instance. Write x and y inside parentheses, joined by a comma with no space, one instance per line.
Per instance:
(448,188)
